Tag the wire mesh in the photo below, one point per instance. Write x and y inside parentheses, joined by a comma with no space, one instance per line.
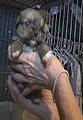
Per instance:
(68,34)
(7,22)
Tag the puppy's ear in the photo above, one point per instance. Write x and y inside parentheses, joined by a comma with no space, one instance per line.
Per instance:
(17,20)
(38,21)
(46,28)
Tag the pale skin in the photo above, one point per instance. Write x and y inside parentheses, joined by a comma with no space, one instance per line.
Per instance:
(65,108)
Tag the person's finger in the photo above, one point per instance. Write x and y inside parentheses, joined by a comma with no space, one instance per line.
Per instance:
(26,103)
(18,68)
(18,98)
(19,78)
(36,101)
(28,89)
(27,69)
(21,68)
(24,69)
(11,85)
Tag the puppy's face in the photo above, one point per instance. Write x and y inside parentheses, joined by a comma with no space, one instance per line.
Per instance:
(25,29)
(29,23)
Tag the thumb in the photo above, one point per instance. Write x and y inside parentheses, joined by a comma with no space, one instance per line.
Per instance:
(25,103)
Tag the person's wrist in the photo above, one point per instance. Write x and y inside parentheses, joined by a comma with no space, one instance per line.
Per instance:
(51,64)
(52,73)
(62,77)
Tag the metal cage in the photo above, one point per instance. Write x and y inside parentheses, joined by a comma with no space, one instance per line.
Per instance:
(66,26)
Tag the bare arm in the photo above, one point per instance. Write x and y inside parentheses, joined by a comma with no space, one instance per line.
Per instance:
(65,100)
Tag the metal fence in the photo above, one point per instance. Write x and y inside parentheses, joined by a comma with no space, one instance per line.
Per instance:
(66,26)
(7,22)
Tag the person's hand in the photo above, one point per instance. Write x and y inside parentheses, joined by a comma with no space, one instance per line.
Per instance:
(29,69)
(46,110)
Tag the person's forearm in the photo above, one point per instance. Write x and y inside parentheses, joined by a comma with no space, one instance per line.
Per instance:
(52,113)
(65,100)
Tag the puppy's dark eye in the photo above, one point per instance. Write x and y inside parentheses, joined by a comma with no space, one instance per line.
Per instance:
(27,23)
